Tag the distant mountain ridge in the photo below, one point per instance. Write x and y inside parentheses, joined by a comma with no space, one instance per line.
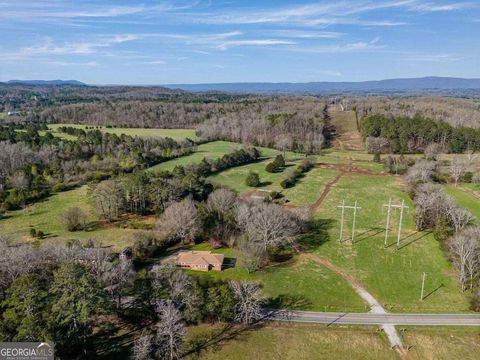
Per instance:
(47,82)
(407,84)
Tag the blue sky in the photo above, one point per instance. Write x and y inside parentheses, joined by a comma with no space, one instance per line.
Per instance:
(158,42)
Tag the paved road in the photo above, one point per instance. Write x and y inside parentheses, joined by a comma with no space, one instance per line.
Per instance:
(374,319)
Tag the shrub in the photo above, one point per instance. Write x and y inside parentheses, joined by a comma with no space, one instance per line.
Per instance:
(33,232)
(58,187)
(253,179)
(279,161)
(74,219)
(40,234)
(270,167)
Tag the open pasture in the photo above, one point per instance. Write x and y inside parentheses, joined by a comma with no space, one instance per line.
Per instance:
(46,216)
(175,134)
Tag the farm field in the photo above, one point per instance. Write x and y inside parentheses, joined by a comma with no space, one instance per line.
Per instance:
(46,215)
(467,196)
(175,134)
(309,341)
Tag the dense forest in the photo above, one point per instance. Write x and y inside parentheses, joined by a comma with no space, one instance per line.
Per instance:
(410,135)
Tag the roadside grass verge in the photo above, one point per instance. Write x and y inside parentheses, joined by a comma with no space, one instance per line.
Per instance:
(273,340)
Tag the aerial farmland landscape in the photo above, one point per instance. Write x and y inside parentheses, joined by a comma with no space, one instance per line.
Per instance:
(232,181)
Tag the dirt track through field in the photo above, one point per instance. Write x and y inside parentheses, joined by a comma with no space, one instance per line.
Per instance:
(325,192)
(375,305)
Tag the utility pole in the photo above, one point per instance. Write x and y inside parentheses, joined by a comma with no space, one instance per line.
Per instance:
(400,223)
(423,287)
(343,207)
(389,206)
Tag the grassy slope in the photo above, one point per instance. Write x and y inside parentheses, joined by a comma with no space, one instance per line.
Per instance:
(214,150)
(464,196)
(46,215)
(308,341)
(305,192)
(176,134)
(394,276)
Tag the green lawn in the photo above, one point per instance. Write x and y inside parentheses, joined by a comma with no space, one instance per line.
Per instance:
(176,134)
(393,276)
(46,215)
(466,196)
(305,285)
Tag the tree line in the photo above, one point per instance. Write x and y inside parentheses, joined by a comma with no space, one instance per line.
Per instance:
(452,225)
(410,135)
(33,165)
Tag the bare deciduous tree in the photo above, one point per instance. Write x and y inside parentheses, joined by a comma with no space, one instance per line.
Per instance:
(108,199)
(170,331)
(180,221)
(249,301)
(284,142)
(116,278)
(458,168)
(221,201)
(176,286)
(465,248)
(432,151)
(143,347)
(268,224)
(459,217)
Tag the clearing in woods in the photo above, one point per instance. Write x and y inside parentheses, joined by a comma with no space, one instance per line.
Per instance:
(347,135)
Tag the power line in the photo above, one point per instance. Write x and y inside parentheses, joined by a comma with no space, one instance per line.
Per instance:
(342,218)
(390,206)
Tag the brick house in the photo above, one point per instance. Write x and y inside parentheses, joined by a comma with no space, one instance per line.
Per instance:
(199,260)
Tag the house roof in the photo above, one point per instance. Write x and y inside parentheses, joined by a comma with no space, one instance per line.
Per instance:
(199,257)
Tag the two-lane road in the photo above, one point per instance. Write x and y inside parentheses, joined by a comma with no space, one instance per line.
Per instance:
(374,319)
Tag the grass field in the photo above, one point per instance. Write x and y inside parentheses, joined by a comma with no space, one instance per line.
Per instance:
(307,189)
(176,134)
(309,341)
(46,215)
(393,276)
(214,150)
(316,288)
(467,196)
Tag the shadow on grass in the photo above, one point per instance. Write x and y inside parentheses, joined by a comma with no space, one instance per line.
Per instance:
(291,302)
(318,236)
(422,235)
(264,183)
(433,291)
(368,234)
(215,339)
(229,263)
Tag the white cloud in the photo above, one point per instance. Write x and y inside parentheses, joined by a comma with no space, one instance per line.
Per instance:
(254,42)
